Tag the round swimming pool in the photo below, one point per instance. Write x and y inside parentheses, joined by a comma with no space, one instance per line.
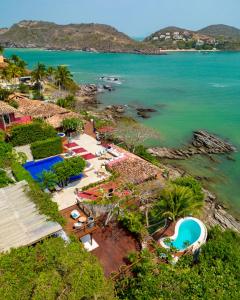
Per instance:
(189,232)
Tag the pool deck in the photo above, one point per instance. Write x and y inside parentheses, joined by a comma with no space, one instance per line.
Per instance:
(67,197)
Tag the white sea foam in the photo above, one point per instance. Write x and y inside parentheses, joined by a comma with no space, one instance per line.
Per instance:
(218,85)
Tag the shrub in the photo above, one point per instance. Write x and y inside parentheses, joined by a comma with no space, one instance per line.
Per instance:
(29,133)
(13,103)
(20,173)
(4,179)
(67,168)
(42,200)
(2,136)
(46,148)
(5,154)
(45,204)
(142,152)
(72,124)
(23,88)
(68,102)
(132,221)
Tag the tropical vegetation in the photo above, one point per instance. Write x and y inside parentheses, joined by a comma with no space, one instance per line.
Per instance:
(175,202)
(48,180)
(67,102)
(4,179)
(72,125)
(213,274)
(52,270)
(67,168)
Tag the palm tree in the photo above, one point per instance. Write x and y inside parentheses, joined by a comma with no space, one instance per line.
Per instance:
(12,72)
(48,180)
(62,77)
(39,73)
(51,72)
(177,202)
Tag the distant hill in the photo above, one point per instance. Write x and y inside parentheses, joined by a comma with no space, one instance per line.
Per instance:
(222,37)
(221,30)
(39,34)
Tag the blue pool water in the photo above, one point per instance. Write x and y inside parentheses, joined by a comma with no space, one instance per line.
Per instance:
(188,232)
(35,168)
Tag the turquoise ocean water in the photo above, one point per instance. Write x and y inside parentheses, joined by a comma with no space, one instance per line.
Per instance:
(190,90)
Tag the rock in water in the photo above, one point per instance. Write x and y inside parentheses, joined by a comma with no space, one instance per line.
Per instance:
(202,143)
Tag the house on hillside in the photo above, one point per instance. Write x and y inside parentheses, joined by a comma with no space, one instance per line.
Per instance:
(50,112)
(21,223)
(10,116)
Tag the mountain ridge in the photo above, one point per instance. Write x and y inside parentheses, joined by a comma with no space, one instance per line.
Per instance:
(105,38)
(87,37)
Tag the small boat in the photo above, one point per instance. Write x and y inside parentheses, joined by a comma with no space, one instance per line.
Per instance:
(111,79)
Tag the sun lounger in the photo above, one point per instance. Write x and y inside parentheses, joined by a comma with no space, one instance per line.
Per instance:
(88,156)
(75,214)
(71,145)
(79,150)
(77,225)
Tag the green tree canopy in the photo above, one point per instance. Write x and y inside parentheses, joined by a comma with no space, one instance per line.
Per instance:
(52,270)
(69,167)
(215,275)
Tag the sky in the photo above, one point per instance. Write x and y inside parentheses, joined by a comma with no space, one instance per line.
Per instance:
(136,18)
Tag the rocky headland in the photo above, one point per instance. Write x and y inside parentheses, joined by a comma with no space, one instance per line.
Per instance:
(202,143)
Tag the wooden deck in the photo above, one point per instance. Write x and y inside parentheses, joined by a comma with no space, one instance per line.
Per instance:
(165,232)
(84,230)
(115,243)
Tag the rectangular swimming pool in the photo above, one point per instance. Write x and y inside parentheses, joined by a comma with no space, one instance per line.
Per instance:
(35,168)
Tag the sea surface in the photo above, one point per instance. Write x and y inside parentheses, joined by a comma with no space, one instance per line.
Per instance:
(190,91)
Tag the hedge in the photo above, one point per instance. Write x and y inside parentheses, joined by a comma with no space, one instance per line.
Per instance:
(29,133)
(46,148)
(20,173)
(43,200)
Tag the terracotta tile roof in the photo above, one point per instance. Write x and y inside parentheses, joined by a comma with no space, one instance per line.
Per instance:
(133,168)
(36,108)
(56,120)
(6,108)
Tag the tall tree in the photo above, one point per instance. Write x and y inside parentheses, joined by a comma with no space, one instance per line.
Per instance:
(63,77)
(38,74)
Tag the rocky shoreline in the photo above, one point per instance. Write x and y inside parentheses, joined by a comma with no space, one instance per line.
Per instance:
(150,51)
(202,143)
(216,214)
